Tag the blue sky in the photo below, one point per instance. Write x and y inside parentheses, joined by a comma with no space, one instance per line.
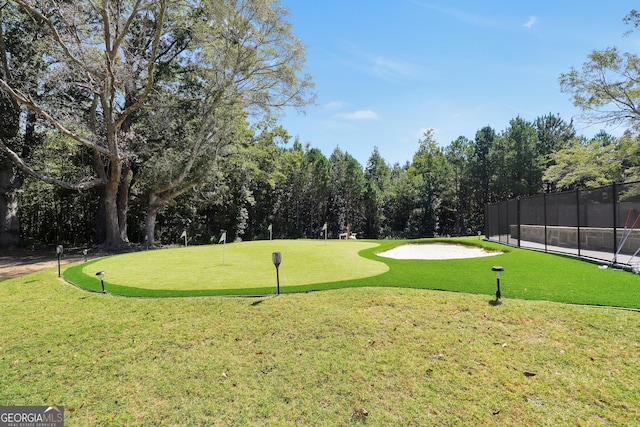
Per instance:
(387,70)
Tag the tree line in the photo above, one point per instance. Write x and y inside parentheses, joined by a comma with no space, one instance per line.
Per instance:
(132,121)
(269,180)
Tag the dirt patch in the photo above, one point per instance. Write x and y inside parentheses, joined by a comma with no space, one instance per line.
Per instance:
(18,262)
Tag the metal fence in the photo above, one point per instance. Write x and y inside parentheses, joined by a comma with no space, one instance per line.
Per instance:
(597,223)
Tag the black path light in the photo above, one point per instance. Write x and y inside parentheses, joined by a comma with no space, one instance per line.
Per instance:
(100,275)
(59,252)
(497,269)
(276,257)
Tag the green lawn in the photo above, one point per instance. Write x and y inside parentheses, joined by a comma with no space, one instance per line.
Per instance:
(238,268)
(315,265)
(358,356)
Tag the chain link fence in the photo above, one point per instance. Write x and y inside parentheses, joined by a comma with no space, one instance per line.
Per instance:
(601,223)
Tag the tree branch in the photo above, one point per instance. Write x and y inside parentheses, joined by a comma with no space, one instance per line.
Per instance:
(30,104)
(20,164)
(56,36)
(150,68)
(127,25)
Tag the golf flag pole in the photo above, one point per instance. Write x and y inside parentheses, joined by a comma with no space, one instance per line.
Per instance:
(634,255)
(270,229)
(223,240)
(184,236)
(626,233)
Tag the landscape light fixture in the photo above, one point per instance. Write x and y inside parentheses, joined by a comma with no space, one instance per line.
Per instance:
(497,269)
(100,275)
(276,257)
(59,252)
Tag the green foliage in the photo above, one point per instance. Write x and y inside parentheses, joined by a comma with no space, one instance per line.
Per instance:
(456,213)
(155,92)
(377,175)
(600,161)
(429,171)
(523,165)
(553,134)
(347,186)
(256,182)
(203,152)
(606,89)
(55,215)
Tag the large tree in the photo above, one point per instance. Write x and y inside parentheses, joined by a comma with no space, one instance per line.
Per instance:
(243,57)
(120,66)
(516,160)
(23,46)
(377,174)
(481,174)
(9,129)
(347,188)
(553,134)
(602,160)
(102,58)
(607,87)
(456,213)
(429,171)
(290,212)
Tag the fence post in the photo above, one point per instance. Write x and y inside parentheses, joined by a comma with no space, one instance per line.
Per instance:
(544,199)
(578,217)
(499,230)
(519,221)
(615,222)
(487,232)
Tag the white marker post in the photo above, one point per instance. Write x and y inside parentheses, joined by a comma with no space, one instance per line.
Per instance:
(223,240)
(184,236)
(324,228)
(270,229)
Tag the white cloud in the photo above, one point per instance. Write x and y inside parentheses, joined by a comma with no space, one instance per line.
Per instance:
(386,68)
(460,15)
(335,105)
(531,22)
(359,115)
(392,70)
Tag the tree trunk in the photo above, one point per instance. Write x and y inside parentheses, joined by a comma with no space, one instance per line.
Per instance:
(150,228)
(123,203)
(155,204)
(113,238)
(9,224)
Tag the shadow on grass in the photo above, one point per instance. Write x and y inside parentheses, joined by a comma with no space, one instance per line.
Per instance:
(495,302)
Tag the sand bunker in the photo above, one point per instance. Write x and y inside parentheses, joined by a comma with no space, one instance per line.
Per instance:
(436,251)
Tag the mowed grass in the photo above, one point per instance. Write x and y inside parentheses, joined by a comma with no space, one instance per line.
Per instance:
(245,267)
(528,274)
(356,356)
(310,265)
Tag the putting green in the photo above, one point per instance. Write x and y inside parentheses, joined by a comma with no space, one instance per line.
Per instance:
(245,265)
(311,265)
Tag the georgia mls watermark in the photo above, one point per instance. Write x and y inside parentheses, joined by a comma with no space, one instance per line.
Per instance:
(31,416)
